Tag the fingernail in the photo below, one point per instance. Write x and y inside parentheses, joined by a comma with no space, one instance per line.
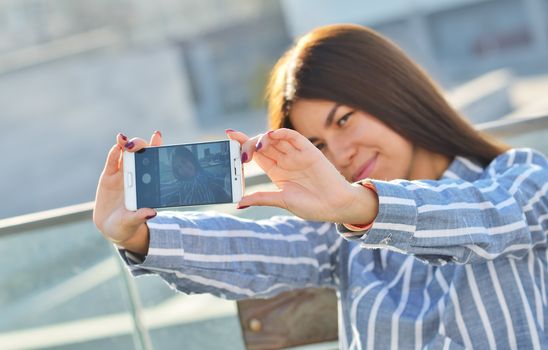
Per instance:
(242,207)
(124,137)
(151,216)
(130,145)
(270,132)
(158,132)
(228,130)
(259,146)
(244,157)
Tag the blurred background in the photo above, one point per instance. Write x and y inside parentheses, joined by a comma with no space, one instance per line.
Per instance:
(74,73)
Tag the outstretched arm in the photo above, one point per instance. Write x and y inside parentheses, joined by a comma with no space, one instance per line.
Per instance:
(505,213)
(208,252)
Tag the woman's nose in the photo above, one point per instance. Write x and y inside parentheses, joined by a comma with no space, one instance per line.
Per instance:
(342,153)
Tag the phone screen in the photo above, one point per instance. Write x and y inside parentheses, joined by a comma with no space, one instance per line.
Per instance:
(182,175)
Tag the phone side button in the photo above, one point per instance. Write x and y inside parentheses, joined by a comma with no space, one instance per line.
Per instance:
(129,178)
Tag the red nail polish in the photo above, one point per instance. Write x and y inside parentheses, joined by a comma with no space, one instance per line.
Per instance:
(244,157)
(130,145)
(151,216)
(124,137)
(259,146)
(158,132)
(242,207)
(228,130)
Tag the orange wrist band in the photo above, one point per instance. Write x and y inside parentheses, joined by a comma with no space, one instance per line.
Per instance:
(362,227)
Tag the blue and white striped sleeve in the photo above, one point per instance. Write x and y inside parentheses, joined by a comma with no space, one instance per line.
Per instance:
(503,212)
(207,252)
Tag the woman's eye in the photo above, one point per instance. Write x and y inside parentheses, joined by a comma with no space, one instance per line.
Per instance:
(320,146)
(344,119)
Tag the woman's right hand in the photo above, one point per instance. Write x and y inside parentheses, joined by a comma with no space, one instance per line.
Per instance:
(125,228)
(309,185)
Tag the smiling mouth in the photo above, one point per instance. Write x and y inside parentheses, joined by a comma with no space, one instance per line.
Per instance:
(366,169)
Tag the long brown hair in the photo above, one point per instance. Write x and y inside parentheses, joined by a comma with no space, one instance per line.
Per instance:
(355,66)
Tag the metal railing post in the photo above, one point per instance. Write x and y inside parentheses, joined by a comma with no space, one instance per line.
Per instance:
(141,336)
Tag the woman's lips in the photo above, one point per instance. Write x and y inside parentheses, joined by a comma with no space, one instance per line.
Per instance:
(366,169)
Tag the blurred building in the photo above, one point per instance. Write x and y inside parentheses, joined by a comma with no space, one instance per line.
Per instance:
(454,39)
(25,23)
(73,73)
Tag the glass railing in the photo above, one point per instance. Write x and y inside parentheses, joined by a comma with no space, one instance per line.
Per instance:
(523,132)
(64,287)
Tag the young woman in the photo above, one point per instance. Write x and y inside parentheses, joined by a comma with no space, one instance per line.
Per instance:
(440,239)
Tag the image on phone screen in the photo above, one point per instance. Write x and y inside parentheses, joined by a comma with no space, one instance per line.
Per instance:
(183,175)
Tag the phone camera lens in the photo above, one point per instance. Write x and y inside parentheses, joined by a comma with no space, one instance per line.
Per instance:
(146,178)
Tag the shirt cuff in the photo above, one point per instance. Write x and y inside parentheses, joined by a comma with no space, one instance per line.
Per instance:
(165,249)
(131,258)
(395,224)
(349,230)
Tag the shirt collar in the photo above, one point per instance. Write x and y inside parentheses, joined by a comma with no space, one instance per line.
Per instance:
(464,169)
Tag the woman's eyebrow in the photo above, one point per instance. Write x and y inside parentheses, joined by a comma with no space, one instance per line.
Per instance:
(331,115)
(313,139)
(328,120)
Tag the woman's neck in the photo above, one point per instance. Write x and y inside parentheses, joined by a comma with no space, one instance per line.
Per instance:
(427,165)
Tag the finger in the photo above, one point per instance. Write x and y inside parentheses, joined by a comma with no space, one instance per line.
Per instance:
(113,160)
(156,139)
(121,139)
(268,146)
(264,162)
(112,164)
(237,136)
(285,147)
(247,144)
(145,214)
(296,139)
(263,198)
(270,151)
(248,149)
(135,144)
(134,219)
(264,140)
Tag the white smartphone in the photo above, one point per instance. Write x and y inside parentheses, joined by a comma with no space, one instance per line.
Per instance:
(183,175)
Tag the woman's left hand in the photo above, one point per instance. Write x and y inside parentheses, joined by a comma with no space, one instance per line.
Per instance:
(309,185)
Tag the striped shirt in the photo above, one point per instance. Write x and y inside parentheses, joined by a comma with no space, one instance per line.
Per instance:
(460,262)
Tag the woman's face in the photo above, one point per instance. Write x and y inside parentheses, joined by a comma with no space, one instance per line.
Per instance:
(359,145)
(184,168)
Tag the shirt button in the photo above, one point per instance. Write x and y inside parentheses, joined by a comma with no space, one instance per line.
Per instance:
(386,239)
